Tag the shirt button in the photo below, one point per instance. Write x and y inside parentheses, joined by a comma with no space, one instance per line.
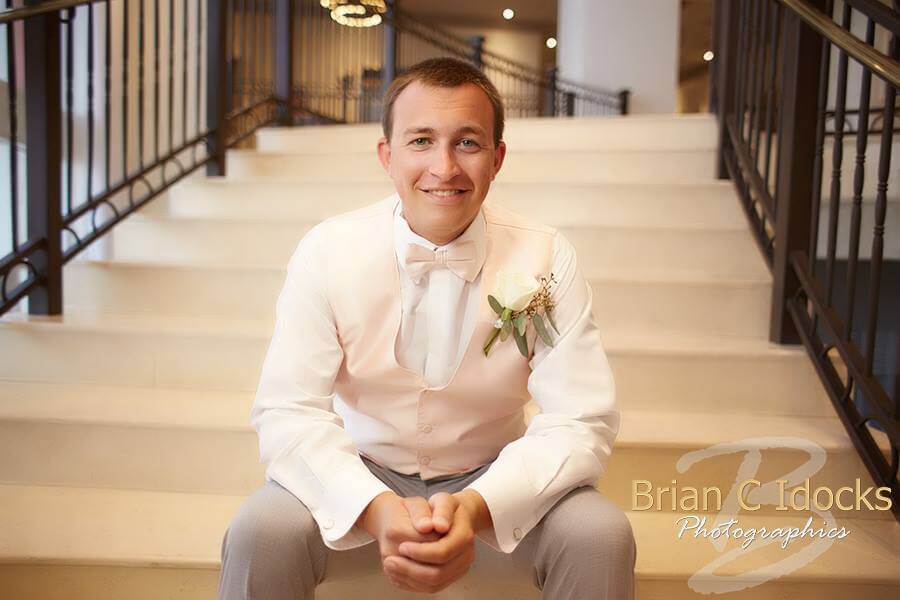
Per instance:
(426,428)
(517,533)
(328,524)
(425,460)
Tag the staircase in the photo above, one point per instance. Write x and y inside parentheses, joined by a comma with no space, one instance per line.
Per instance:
(125,444)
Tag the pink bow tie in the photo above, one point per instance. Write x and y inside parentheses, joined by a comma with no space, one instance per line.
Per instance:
(461,258)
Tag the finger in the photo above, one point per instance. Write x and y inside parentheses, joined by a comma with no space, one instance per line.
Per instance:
(443,550)
(429,577)
(434,577)
(419,513)
(407,585)
(401,584)
(399,578)
(442,505)
(406,532)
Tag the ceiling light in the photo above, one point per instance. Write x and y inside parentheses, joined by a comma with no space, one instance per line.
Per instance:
(708,55)
(355,13)
(508,14)
(551,42)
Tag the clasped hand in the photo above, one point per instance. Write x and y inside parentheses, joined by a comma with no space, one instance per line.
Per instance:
(425,545)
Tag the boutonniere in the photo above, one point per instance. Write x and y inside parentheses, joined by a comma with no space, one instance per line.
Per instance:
(518,299)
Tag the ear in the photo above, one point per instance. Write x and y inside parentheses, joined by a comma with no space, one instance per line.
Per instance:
(384,154)
(499,155)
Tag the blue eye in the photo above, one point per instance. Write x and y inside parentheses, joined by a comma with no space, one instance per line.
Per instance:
(421,139)
(469,143)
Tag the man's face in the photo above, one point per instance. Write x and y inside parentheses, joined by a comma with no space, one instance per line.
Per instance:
(441,157)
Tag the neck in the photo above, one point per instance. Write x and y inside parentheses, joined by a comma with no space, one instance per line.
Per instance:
(438,238)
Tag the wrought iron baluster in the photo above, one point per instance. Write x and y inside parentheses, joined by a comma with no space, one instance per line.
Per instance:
(862,137)
(877,253)
(771,108)
(836,160)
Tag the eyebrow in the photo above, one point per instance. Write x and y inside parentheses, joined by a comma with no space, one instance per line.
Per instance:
(472,129)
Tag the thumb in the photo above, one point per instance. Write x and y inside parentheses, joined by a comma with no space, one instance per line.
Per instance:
(419,513)
(443,506)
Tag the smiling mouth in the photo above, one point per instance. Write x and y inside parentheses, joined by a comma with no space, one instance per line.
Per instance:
(445,193)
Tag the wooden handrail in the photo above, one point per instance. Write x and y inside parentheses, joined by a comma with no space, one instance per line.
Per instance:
(8,15)
(884,66)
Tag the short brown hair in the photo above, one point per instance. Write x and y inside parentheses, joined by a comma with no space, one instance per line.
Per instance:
(447,73)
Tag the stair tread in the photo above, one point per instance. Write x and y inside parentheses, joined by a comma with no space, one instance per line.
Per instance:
(230,411)
(282,223)
(648,277)
(524,122)
(215,326)
(723,184)
(523,152)
(67,525)
(125,405)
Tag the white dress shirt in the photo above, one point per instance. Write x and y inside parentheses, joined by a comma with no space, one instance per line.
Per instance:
(434,347)
(570,381)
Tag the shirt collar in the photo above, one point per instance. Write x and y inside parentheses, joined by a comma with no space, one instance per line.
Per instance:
(403,235)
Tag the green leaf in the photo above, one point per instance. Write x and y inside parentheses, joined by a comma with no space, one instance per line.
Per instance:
(506,314)
(495,304)
(521,342)
(505,330)
(549,314)
(542,331)
(520,323)
(490,341)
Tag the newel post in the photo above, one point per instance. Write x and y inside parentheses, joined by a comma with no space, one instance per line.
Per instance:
(802,54)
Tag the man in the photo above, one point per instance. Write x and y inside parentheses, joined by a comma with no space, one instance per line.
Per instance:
(380,417)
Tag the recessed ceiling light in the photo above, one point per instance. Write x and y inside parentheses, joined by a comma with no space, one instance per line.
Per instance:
(708,55)
(508,14)
(551,42)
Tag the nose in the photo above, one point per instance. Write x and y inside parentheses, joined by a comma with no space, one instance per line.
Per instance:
(444,165)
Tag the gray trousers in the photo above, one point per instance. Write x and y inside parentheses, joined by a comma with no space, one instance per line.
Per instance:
(582,549)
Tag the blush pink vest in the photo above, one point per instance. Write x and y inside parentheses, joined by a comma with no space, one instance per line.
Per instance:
(393,416)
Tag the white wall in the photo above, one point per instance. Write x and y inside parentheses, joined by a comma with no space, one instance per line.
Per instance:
(611,44)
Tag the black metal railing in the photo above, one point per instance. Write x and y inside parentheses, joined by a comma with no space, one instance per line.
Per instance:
(121,101)
(796,84)
(124,98)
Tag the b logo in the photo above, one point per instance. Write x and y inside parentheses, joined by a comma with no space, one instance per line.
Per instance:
(705,580)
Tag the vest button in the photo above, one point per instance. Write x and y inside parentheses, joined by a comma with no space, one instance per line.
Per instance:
(426,428)
(425,460)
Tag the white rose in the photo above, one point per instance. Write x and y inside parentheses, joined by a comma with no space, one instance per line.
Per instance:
(515,290)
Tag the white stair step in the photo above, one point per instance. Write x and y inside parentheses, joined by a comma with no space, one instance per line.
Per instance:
(709,204)
(137,538)
(624,253)
(128,437)
(692,373)
(651,443)
(582,133)
(738,308)
(201,441)
(534,166)
(848,166)
(891,237)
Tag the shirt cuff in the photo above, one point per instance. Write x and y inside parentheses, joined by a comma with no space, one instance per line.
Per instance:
(511,520)
(348,499)
(340,502)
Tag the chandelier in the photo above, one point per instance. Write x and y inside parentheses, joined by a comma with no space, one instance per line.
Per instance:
(356,13)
